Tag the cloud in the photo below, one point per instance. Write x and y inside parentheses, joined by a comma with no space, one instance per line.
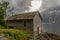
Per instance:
(46,4)
(35,5)
(20,5)
(25,5)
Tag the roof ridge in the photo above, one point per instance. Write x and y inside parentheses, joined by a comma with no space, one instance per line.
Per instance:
(28,15)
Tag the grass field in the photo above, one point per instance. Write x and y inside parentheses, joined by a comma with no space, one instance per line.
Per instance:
(14,34)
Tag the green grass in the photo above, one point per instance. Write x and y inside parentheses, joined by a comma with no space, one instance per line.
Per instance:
(14,34)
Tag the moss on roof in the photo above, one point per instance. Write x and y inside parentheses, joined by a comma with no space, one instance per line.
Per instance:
(28,15)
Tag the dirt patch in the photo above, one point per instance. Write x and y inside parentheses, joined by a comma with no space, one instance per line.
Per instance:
(2,37)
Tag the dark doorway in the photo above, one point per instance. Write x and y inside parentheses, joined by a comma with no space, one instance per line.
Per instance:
(24,23)
(11,27)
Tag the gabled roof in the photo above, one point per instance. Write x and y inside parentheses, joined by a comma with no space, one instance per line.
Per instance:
(28,15)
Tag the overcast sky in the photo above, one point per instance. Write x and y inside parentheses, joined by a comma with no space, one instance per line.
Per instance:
(22,5)
(49,3)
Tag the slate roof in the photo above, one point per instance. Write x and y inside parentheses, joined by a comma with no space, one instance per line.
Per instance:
(28,15)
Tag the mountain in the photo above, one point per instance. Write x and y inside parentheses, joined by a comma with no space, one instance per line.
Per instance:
(51,15)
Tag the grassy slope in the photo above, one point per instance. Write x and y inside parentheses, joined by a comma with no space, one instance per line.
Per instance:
(14,34)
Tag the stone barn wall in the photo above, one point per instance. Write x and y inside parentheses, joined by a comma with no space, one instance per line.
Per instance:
(36,25)
(21,24)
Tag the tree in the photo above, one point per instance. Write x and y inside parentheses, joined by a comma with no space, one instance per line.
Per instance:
(11,10)
(3,7)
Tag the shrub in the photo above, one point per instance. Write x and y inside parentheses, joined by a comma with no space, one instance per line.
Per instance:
(1,27)
(14,34)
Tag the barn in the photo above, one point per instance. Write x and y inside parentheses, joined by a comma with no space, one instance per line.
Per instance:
(30,21)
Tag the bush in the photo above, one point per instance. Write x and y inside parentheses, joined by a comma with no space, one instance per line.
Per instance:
(14,34)
(1,27)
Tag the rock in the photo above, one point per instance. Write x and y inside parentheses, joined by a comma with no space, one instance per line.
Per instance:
(2,37)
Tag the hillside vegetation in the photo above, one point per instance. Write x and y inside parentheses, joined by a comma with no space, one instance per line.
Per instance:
(14,34)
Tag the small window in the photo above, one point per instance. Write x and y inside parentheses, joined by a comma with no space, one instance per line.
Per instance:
(38,30)
(24,23)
